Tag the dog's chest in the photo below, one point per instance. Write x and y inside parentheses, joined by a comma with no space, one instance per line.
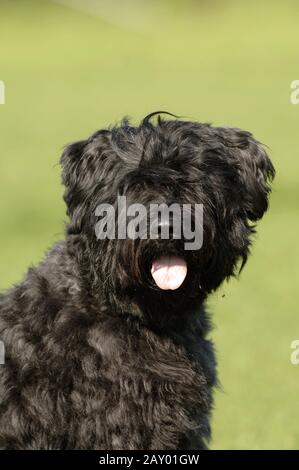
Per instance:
(135,391)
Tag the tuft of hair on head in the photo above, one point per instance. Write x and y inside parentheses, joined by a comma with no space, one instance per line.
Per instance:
(146,121)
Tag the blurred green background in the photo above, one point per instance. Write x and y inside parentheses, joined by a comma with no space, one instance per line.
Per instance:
(71,67)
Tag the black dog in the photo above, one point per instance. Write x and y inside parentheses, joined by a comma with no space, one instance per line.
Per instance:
(98,354)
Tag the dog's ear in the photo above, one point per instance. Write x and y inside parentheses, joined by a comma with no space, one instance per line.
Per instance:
(82,173)
(71,162)
(73,178)
(241,178)
(254,168)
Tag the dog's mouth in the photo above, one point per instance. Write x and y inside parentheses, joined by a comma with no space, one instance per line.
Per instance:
(169,272)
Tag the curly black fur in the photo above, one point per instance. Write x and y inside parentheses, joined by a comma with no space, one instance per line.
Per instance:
(97,357)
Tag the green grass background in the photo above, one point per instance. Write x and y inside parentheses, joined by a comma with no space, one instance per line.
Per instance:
(69,72)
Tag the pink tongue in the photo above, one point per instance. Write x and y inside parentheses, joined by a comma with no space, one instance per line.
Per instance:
(169,272)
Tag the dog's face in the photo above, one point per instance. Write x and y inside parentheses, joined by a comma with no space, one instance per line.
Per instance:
(173,162)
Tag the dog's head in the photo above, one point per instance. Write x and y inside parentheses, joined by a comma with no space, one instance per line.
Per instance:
(218,177)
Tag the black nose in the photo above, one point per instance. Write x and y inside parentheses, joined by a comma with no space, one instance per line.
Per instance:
(165,229)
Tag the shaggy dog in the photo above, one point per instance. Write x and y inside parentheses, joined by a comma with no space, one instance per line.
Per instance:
(102,353)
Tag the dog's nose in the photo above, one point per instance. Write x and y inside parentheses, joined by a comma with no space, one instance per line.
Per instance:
(165,229)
